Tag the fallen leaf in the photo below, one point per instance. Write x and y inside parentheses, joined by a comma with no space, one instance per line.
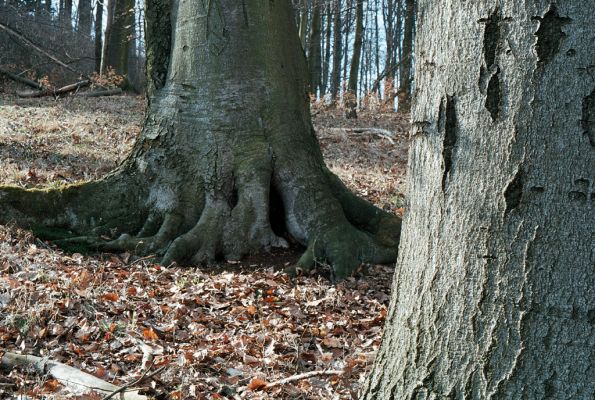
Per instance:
(257,384)
(149,334)
(110,297)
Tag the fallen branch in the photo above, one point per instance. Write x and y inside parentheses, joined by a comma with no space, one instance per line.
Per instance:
(29,43)
(98,93)
(125,387)
(67,375)
(18,78)
(383,133)
(49,92)
(305,375)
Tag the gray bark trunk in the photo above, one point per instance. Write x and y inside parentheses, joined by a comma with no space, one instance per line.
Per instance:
(351,98)
(314,53)
(494,291)
(327,49)
(405,73)
(303,26)
(84,17)
(98,35)
(337,48)
(120,20)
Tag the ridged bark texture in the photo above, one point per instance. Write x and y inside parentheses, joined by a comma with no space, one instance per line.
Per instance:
(494,291)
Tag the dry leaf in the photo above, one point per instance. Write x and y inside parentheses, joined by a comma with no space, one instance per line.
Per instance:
(149,334)
(51,386)
(251,310)
(110,297)
(257,384)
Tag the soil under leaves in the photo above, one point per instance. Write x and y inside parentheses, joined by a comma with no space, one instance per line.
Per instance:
(220,332)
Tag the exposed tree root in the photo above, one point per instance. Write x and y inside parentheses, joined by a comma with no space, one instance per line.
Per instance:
(207,196)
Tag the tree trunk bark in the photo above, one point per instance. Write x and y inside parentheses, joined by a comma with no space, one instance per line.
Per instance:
(84,17)
(66,13)
(98,35)
(216,155)
(351,97)
(337,47)
(493,295)
(327,49)
(404,96)
(303,26)
(314,53)
(346,23)
(388,14)
(120,20)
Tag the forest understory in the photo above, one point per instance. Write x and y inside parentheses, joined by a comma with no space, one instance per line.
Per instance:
(230,331)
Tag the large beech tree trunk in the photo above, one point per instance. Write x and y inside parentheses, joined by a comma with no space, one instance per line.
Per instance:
(494,290)
(227,132)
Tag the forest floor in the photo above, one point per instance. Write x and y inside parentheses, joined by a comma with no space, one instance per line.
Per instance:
(231,331)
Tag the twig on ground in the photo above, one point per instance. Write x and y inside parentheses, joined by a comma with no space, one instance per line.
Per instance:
(98,93)
(66,374)
(18,78)
(127,386)
(382,133)
(305,375)
(50,92)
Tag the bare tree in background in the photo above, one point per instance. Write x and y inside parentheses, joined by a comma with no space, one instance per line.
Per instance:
(118,32)
(84,17)
(404,93)
(314,52)
(351,95)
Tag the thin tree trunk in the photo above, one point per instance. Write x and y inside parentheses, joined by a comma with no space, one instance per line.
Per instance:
(84,17)
(117,37)
(347,23)
(351,98)
(337,47)
(388,10)
(314,53)
(303,26)
(494,291)
(98,35)
(110,6)
(377,47)
(404,95)
(66,14)
(327,49)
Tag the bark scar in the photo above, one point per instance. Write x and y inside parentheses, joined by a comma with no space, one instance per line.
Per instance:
(514,192)
(549,35)
(447,118)
(588,117)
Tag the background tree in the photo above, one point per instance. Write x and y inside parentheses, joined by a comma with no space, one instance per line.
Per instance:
(84,17)
(351,98)
(494,291)
(327,48)
(216,157)
(118,33)
(66,13)
(98,34)
(337,48)
(314,50)
(406,57)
